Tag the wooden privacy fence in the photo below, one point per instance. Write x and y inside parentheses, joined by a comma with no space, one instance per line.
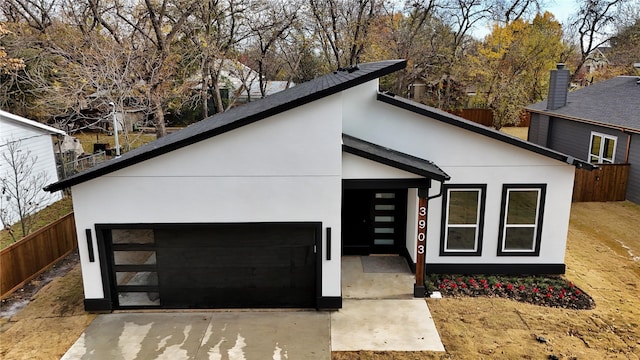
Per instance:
(485,117)
(27,258)
(606,183)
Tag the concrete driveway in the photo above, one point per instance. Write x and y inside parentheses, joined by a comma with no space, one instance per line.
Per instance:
(212,335)
(379,313)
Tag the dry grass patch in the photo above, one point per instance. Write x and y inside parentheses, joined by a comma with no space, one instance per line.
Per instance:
(136,139)
(519,132)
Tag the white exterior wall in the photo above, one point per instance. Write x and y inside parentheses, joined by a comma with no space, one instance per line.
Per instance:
(282,169)
(469,158)
(40,145)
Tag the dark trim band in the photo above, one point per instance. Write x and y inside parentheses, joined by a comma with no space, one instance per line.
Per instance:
(497,269)
(385,184)
(97,305)
(329,302)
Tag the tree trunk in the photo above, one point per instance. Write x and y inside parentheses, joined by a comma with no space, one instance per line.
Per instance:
(158,115)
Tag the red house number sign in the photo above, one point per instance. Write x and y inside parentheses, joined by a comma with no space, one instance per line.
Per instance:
(421,243)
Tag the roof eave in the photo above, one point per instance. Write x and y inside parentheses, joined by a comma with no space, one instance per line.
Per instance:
(28,122)
(436,174)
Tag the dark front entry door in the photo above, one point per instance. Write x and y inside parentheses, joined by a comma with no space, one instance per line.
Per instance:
(373,221)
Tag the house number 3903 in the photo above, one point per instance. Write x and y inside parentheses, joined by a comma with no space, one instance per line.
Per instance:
(422,224)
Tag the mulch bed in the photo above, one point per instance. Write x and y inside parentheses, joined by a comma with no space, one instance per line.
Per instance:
(538,290)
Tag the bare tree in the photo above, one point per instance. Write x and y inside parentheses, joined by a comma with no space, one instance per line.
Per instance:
(21,187)
(270,21)
(342,27)
(411,32)
(38,14)
(216,29)
(510,10)
(593,26)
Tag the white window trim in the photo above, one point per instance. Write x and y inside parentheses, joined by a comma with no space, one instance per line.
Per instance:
(601,150)
(476,225)
(534,225)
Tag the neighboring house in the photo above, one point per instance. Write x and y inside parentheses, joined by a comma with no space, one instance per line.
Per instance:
(254,207)
(36,138)
(600,123)
(270,88)
(597,59)
(240,84)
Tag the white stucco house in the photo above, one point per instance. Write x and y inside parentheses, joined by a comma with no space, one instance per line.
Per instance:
(35,138)
(254,207)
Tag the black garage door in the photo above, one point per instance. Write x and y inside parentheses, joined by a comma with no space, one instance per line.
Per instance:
(213,265)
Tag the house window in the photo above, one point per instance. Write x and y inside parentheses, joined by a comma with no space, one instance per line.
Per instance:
(463,218)
(602,149)
(521,219)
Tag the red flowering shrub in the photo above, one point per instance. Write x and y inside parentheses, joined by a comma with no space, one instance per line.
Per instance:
(544,291)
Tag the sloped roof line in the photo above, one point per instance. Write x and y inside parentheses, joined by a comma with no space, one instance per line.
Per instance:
(451,119)
(28,122)
(296,96)
(394,158)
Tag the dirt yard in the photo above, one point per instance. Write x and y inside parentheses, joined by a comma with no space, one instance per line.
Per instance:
(603,258)
(53,318)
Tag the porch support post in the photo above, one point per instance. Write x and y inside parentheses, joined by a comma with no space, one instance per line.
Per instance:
(421,243)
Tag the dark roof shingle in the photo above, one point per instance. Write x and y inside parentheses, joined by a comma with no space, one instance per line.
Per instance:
(614,102)
(393,158)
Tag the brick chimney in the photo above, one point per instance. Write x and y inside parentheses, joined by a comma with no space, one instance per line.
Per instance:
(558,87)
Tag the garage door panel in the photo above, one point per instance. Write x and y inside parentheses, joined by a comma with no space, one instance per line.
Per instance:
(226,265)
(240,298)
(217,257)
(260,235)
(237,278)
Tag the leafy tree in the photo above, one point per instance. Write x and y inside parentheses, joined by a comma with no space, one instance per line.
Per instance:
(8,64)
(513,62)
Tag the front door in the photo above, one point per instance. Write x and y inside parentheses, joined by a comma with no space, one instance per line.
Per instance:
(373,221)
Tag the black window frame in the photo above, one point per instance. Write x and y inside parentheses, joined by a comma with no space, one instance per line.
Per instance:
(542,188)
(444,225)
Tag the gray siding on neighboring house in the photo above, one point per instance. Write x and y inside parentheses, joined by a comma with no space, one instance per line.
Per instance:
(573,138)
(539,129)
(633,185)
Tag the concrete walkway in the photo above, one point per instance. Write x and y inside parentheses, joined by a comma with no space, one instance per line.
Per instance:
(378,314)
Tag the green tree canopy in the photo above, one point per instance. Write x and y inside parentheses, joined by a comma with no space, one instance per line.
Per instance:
(513,63)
